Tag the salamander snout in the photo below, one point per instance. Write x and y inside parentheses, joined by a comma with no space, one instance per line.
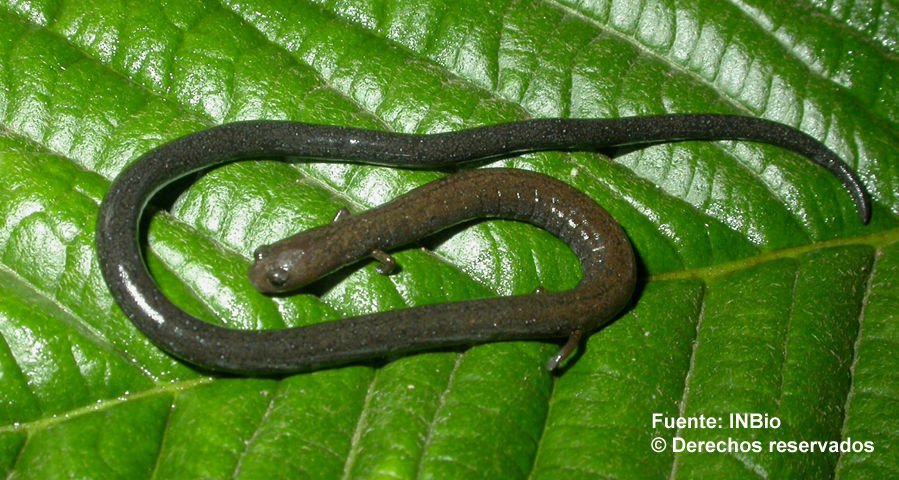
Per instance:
(269,272)
(278,278)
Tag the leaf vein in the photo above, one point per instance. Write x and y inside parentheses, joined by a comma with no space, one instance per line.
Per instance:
(681,408)
(857,345)
(356,437)
(252,440)
(441,404)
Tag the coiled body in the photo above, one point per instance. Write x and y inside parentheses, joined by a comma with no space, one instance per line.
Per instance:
(597,240)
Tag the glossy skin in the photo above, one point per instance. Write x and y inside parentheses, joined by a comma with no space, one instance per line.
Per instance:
(605,254)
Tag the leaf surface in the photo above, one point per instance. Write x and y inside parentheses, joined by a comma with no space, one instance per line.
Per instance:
(760,291)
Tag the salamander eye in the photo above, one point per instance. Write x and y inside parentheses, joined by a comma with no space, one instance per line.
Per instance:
(278,278)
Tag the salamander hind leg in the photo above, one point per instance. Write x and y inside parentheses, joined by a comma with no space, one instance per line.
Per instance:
(570,347)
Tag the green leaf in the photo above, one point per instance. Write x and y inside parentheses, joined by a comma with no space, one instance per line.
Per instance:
(760,292)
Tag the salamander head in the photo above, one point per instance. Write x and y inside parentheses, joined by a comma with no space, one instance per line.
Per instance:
(277,269)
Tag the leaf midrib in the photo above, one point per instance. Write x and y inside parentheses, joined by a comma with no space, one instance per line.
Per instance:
(875,240)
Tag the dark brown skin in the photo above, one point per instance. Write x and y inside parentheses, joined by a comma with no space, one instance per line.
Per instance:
(605,254)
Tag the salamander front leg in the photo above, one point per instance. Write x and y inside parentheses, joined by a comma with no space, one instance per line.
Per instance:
(388,263)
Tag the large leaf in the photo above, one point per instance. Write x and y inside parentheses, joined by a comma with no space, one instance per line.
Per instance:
(761,292)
